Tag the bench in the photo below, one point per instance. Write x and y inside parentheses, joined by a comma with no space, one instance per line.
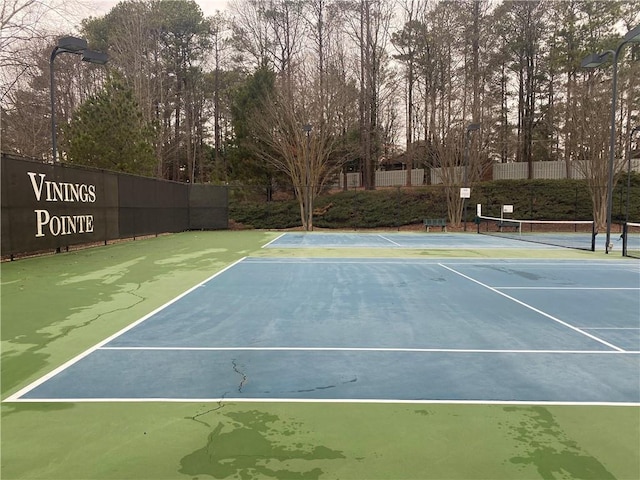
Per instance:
(507,224)
(436,222)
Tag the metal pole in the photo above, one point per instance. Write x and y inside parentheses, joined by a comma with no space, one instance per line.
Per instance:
(626,214)
(307,194)
(595,60)
(612,145)
(470,128)
(52,88)
(465,178)
(307,181)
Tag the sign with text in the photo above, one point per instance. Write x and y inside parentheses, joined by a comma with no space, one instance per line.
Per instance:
(47,206)
(52,206)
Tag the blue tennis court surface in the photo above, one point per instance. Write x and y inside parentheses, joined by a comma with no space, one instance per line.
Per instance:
(425,240)
(384,330)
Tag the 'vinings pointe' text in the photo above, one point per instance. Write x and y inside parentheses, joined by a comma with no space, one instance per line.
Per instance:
(66,192)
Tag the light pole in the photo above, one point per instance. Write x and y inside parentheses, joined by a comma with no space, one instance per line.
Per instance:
(633,131)
(77,46)
(595,60)
(307,191)
(470,128)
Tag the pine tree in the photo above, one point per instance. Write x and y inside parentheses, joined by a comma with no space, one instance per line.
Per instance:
(108,131)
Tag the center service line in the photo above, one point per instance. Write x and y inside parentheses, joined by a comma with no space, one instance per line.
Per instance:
(389,240)
(568,325)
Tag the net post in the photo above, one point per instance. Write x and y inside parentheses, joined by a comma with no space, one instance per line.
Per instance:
(625,237)
(594,232)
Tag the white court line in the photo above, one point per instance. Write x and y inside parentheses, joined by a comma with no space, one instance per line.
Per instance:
(323,400)
(610,328)
(568,325)
(369,349)
(270,260)
(436,261)
(277,238)
(79,357)
(567,288)
(389,240)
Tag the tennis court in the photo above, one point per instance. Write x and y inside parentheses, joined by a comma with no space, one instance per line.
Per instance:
(321,355)
(314,329)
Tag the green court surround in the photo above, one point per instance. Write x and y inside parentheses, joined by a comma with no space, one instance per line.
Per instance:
(57,306)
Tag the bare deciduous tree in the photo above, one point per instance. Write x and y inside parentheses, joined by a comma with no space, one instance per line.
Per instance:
(298,141)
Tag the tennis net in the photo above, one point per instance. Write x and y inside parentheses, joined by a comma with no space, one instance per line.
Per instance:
(631,239)
(578,234)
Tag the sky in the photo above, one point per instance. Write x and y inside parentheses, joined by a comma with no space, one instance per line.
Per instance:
(208,7)
(67,17)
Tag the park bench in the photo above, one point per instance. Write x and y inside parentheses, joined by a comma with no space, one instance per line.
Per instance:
(507,224)
(436,222)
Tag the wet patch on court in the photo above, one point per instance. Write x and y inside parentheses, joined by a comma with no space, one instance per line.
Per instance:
(26,352)
(189,257)
(254,444)
(105,276)
(543,444)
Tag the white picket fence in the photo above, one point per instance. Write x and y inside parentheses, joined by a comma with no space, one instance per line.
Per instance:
(501,171)
(546,170)
(390,178)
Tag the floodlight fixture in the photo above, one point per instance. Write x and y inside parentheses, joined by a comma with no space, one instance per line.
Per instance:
(71,44)
(633,35)
(93,56)
(593,60)
(77,46)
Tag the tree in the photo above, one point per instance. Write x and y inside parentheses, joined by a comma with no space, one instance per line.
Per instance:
(109,131)
(309,155)
(160,47)
(25,24)
(220,83)
(247,104)
(522,25)
(406,42)
(501,64)
(296,130)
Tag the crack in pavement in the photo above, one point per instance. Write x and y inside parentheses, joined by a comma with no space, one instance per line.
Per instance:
(244,377)
(220,403)
(324,387)
(215,409)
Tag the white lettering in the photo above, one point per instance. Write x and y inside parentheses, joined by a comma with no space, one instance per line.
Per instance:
(61,191)
(55,226)
(57,191)
(62,224)
(37,187)
(42,218)
(72,193)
